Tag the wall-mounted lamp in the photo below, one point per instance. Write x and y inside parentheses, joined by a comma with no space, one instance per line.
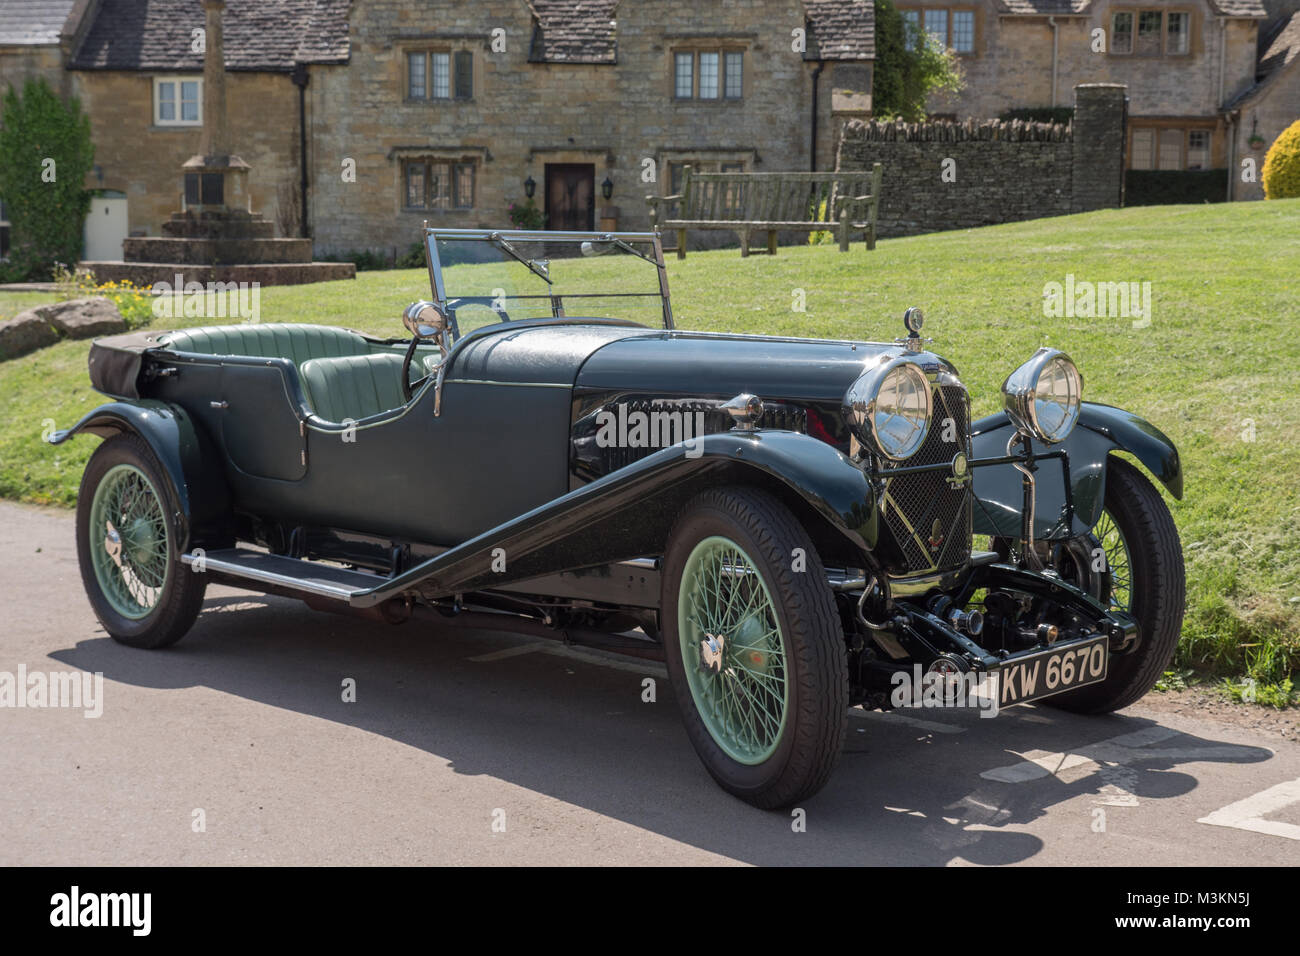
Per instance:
(530,187)
(607,188)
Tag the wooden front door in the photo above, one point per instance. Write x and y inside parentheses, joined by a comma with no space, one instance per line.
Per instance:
(571,196)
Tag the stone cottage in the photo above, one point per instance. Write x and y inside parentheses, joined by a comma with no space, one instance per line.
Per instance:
(384,113)
(1191,67)
(451,111)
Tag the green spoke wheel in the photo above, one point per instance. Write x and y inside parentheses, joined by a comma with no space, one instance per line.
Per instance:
(1119,566)
(727,626)
(127,522)
(754,646)
(127,547)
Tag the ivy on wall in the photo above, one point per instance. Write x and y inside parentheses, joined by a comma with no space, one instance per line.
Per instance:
(908,68)
(45,155)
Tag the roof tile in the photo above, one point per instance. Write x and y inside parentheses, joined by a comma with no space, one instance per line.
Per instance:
(260,35)
(841,29)
(574,31)
(32,22)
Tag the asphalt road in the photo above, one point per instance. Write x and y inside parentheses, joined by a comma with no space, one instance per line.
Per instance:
(237,747)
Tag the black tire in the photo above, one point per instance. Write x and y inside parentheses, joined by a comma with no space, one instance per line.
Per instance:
(816,714)
(181,597)
(1158,589)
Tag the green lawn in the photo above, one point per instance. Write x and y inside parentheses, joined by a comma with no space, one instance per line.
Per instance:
(1218,369)
(11,303)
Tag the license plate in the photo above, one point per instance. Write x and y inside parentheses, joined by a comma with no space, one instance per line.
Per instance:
(1051,672)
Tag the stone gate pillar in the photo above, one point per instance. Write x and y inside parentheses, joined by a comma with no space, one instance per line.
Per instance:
(1097,174)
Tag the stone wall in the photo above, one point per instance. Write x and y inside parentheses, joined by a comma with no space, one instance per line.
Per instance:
(20,63)
(944,175)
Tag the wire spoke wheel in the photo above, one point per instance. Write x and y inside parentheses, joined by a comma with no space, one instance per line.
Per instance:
(733,650)
(129,541)
(1118,564)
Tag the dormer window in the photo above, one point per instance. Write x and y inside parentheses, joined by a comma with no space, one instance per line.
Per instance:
(1150,32)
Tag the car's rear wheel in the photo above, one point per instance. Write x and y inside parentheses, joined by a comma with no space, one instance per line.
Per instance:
(127,548)
(754,647)
(1144,576)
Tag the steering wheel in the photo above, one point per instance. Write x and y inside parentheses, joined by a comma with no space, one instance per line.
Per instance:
(407,388)
(492,302)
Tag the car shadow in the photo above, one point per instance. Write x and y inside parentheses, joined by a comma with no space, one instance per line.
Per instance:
(573,725)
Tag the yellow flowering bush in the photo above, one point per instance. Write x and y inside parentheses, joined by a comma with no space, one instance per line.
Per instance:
(1281,175)
(133,301)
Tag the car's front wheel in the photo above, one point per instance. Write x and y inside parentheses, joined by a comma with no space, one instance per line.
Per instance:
(754,647)
(1143,575)
(127,547)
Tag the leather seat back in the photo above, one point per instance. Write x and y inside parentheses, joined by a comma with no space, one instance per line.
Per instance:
(353,386)
(297,342)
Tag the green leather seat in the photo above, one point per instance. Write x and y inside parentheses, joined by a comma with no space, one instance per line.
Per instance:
(297,342)
(353,386)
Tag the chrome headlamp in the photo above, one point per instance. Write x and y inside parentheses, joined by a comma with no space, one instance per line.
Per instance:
(1043,396)
(889,407)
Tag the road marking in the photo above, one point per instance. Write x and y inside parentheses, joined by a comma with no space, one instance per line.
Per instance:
(1249,814)
(893,717)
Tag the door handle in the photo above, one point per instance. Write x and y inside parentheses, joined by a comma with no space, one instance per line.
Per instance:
(219,404)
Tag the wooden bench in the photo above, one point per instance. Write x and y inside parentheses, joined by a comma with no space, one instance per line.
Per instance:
(767,202)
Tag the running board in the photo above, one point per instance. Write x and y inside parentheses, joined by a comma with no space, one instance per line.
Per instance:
(293,574)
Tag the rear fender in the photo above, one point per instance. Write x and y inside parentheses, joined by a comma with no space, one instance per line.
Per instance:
(186,455)
(1101,431)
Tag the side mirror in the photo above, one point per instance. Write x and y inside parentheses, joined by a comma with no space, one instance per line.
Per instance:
(424,320)
(427,320)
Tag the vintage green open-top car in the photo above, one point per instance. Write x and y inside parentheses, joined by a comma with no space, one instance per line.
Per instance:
(788,523)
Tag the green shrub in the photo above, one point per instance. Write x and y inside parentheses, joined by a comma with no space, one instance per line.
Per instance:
(413,257)
(526,215)
(1156,187)
(908,67)
(821,237)
(366,260)
(45,154)
(1281,174)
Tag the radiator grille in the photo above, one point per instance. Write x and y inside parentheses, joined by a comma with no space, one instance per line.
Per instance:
(775,415)
(929,518)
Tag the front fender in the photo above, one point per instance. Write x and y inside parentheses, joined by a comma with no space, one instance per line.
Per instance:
(185,453)
(1102,430)
(629,512)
